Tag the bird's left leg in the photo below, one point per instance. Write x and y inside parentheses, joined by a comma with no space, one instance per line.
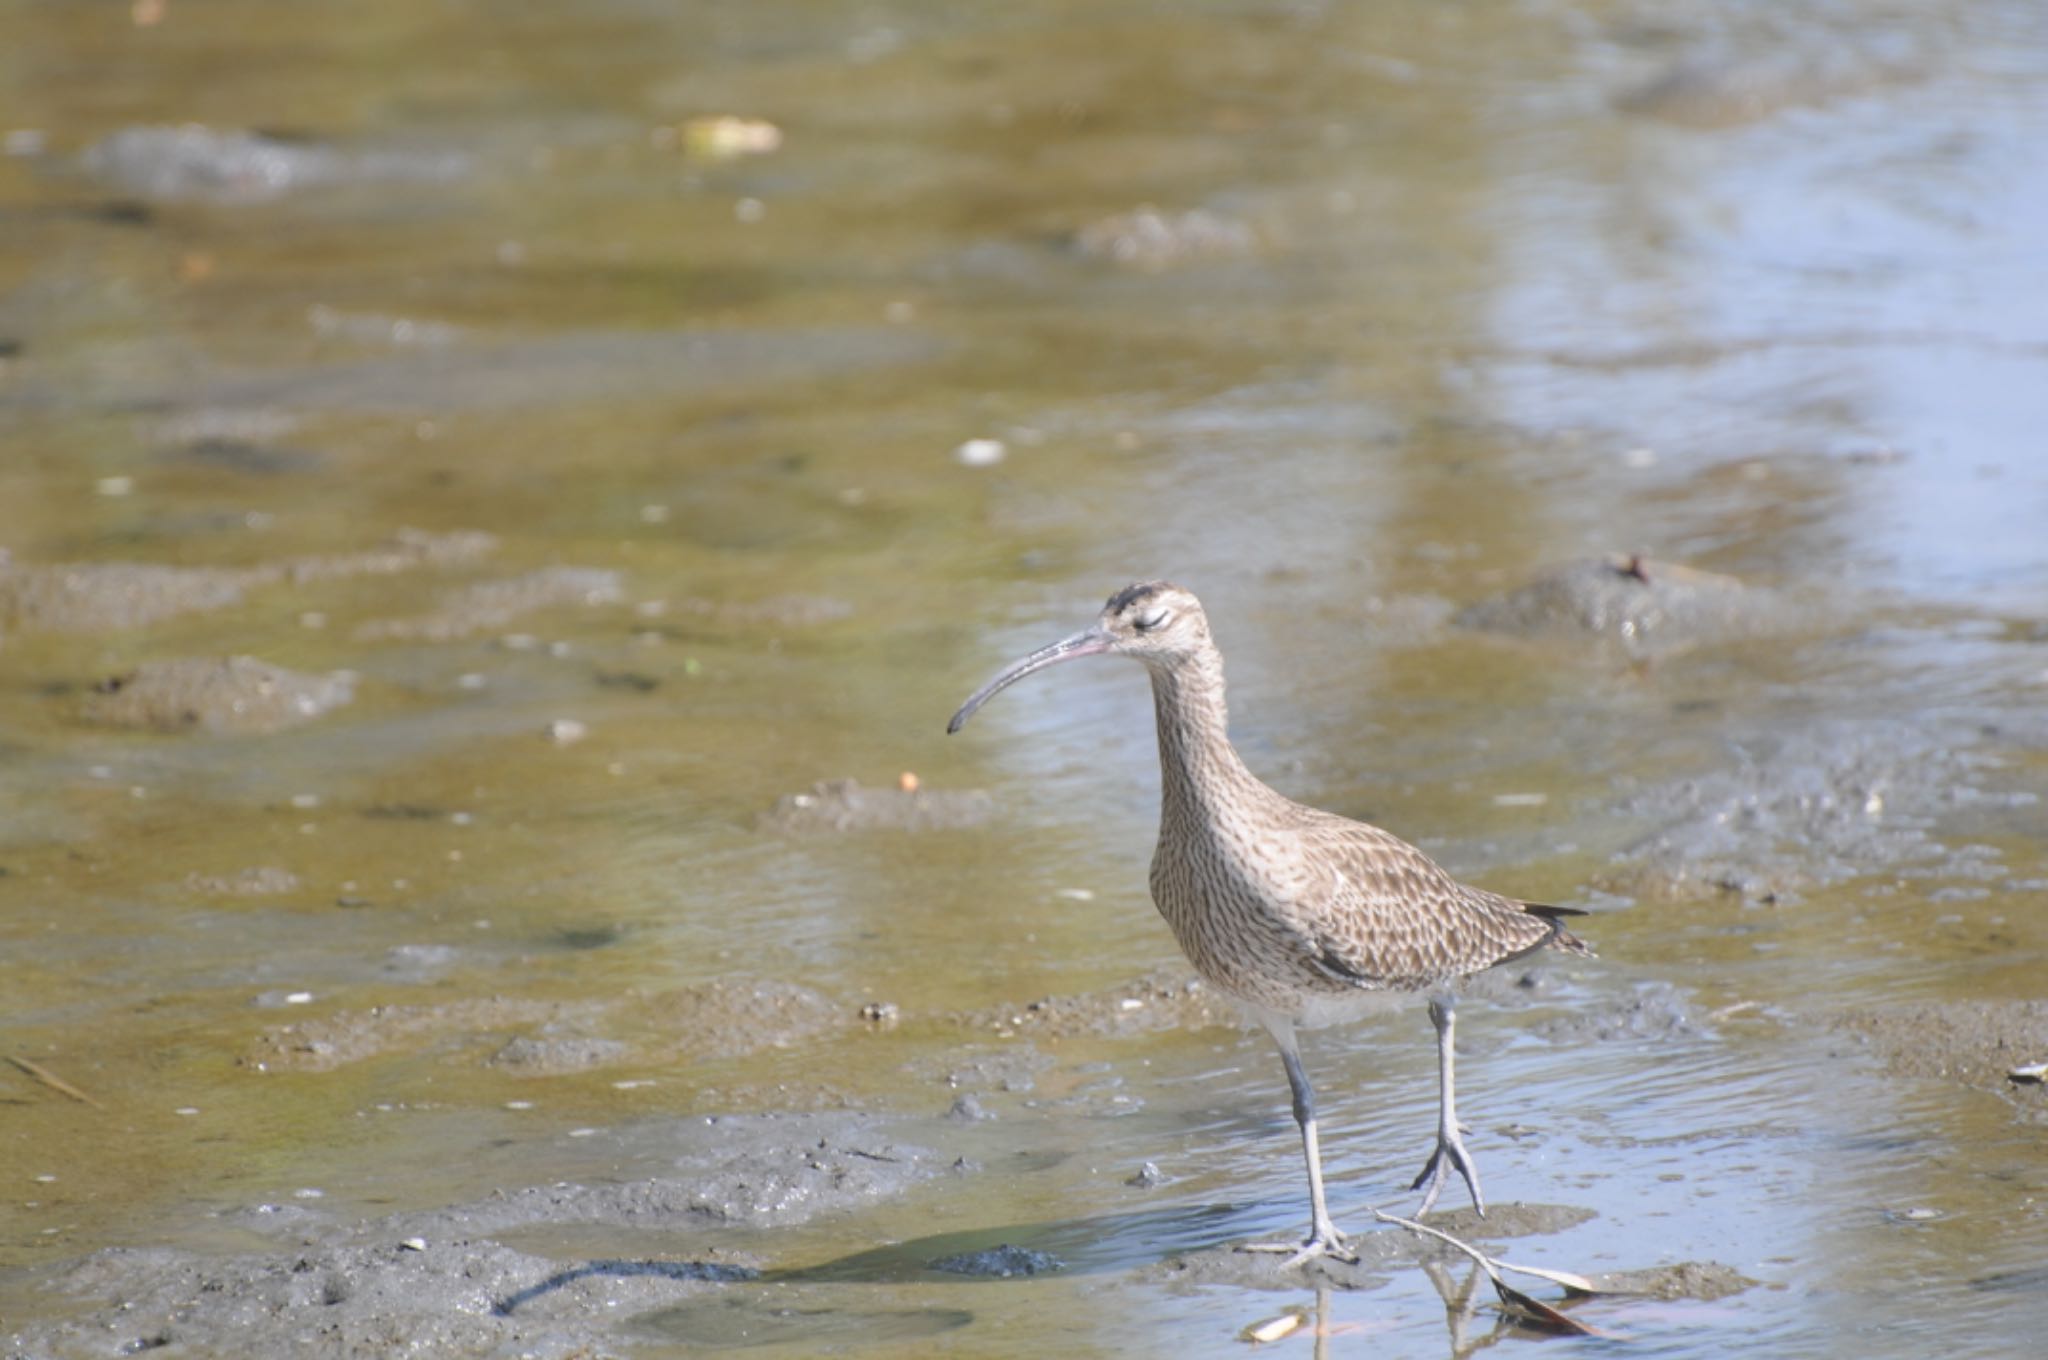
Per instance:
(1450,1147)
(1324,1239)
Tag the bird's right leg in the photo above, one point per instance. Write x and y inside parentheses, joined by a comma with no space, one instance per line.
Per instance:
(1450,1151)
(1323,1239)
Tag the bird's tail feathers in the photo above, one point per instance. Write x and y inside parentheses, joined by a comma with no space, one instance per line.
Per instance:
(1560,939)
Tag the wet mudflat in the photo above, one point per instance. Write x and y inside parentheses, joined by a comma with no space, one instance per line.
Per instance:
(492,536)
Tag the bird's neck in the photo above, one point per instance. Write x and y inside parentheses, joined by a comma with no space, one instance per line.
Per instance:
(1199,769)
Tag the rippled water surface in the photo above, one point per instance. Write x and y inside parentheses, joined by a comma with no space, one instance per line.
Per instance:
(620,472)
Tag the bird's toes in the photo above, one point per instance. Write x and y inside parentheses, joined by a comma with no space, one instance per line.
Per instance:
(1333,1245)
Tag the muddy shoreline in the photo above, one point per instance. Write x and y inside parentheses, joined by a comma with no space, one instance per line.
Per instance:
(702,1243)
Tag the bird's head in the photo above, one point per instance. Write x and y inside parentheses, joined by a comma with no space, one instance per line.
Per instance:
(1155,621)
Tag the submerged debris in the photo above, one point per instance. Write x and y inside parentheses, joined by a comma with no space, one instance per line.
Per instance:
(262,880)
(406,550)
(1163,999)
(230,165)
(1727,87)
(724,1018)
(238,694)
(729,1017)
(779,611)
(1150,239)
(98,597)
(849,805)
(101,597)
(1000,1263)
(489,605)
(553,1054)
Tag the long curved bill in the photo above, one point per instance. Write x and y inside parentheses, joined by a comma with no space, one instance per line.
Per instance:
(1087,642)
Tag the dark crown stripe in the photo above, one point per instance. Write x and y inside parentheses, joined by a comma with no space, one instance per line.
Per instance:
(1131,594)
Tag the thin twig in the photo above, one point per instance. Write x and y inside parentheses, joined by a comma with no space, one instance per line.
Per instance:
(1519,1305)
(52,1080)
(1578,1284)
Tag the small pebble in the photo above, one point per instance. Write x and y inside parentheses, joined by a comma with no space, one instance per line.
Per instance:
(980,453)
(967,1110)
(724,136)
(413,1244)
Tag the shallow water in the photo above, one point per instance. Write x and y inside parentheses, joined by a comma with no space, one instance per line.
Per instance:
(1472,292)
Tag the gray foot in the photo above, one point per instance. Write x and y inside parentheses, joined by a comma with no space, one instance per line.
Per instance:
(1325,1242)
(1450,1152)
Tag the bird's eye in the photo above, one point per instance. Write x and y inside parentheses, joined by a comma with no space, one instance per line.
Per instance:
(1150,619)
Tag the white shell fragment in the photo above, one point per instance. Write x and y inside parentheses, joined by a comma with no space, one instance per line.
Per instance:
(1273,1329)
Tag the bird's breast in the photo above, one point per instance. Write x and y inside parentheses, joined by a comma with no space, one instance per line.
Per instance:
(1229,894)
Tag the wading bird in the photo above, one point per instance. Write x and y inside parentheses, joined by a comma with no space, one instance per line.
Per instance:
(1300,915)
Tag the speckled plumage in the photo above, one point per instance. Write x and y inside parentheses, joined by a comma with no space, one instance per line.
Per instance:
(1283,905)
(1298,913)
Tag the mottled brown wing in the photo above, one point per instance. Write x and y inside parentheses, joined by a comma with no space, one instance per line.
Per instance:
(1383,914)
